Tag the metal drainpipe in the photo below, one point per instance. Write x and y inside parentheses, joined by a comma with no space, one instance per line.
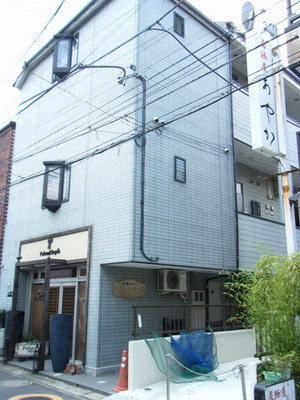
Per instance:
(143,147)
(234,170)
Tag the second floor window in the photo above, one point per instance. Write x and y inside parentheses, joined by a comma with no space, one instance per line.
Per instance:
(56,184)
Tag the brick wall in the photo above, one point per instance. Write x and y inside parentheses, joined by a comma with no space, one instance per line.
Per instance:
(6,150)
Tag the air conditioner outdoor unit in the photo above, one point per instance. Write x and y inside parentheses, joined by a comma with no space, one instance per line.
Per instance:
(169,280)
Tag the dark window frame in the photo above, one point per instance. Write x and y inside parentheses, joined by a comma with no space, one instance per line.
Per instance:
(179,25)
(59,171)
(177,177)
(65,56)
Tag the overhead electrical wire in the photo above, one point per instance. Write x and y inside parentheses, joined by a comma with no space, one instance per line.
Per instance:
(98,151)
(98,127)
(43,30)
(263,10)
(179,42)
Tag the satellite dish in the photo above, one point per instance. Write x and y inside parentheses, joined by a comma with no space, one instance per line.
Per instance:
(248,16)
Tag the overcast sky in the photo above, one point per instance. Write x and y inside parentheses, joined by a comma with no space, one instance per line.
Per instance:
(21,22)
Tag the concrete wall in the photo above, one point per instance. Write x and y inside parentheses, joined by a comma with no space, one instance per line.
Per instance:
(143,371)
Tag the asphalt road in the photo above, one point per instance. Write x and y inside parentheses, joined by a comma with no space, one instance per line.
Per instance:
(17,384)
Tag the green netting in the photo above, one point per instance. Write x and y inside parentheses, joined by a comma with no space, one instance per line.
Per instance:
(192,358)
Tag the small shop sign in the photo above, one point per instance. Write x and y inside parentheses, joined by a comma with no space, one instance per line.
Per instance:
(28,349)
(284,390)
(129,289)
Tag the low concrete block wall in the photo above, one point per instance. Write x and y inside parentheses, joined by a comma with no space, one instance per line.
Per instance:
(143,371)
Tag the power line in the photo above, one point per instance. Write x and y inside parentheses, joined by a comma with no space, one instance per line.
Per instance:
(98,151)
(156,100)
(43,30)
(98,127)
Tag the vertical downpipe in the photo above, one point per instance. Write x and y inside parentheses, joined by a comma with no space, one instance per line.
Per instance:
(143,148)
(234,169)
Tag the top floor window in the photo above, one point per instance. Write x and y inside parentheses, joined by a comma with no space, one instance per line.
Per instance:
(65,56)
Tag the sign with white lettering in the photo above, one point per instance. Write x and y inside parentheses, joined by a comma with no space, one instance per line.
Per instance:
(261,94)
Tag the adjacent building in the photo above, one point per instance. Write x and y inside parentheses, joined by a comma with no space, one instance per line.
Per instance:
(134,176)
(6,151)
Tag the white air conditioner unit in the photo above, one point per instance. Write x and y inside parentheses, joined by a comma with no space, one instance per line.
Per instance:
(169,280)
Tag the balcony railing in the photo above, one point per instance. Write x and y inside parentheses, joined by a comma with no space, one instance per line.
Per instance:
(171,319)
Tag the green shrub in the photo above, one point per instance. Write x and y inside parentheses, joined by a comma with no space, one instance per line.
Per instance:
(269,301)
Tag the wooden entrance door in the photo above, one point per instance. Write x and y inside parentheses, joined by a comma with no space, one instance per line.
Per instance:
(62,299)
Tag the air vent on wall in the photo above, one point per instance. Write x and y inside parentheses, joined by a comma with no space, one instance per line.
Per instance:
(171,280)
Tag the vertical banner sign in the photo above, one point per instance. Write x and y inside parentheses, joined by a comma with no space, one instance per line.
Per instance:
(261,94)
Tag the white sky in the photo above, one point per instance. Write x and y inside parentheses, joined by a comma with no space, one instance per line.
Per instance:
(21,21)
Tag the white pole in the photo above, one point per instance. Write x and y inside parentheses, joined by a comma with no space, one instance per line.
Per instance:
(288,216)
(290,231)
(168,375)
(242,372)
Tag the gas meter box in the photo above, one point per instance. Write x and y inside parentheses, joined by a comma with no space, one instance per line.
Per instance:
(270,391)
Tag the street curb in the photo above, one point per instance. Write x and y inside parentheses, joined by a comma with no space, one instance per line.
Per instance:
(46,380)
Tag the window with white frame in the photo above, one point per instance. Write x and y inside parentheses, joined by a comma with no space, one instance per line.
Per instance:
(56,184)
(239,196)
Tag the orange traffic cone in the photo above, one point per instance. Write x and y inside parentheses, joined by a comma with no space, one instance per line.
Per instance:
(123,375)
